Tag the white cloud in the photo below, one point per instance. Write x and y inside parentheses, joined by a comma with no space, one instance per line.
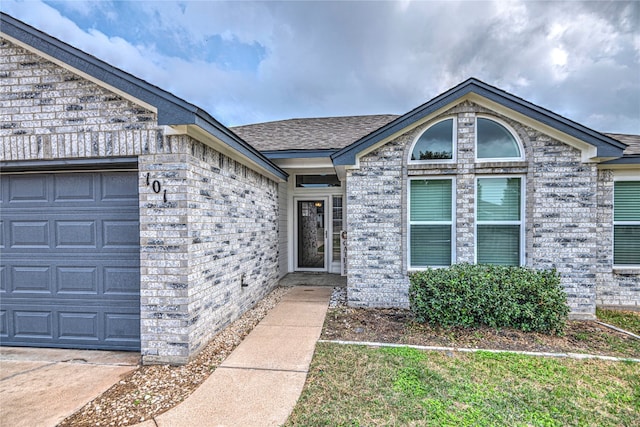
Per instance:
(581,60)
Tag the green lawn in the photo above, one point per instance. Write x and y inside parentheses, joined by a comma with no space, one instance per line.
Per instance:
(627,320)
(361,386)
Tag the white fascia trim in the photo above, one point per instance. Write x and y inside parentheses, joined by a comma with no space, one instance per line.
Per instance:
(84,75)
(304,163)
(206,138)
(627,175)
(630,168)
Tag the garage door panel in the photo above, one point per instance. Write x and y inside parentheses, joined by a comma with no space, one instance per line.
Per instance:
(79,280)
(78,326)
(28,189)
(119,187)
(121,280)
(101,234)
(30,234)
(76,234)
(70,270)
(3,279)
(121,326)
(72,326)
(120,234)
(33,324)
(3,324)
(32,279)
(74,188)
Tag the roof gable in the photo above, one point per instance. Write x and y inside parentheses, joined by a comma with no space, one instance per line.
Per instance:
(171,110)
(602,146)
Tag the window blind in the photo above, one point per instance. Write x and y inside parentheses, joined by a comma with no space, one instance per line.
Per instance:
(626,223)
(430,245)
(499,199)
(499,244)
(430,200)
(498,225)
(626,201)
(430,220)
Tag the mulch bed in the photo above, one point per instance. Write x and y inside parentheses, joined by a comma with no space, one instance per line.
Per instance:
(398,326)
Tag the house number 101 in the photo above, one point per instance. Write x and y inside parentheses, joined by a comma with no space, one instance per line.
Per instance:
(156,187)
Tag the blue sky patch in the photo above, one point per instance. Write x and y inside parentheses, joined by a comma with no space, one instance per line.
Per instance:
(139,27)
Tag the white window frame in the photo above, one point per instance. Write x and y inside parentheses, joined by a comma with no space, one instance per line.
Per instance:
(496,159)
(614,223)
(452,222)
(454,144)
(521,223)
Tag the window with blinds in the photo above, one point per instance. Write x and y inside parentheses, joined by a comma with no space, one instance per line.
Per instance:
(499,221)
(430,222)
(626,223)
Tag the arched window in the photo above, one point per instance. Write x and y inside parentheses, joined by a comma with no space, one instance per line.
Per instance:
(494,141)
(436,143)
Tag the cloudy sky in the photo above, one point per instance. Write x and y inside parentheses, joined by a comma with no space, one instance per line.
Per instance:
(247,62)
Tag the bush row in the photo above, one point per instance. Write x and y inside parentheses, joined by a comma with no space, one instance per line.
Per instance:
(498,296)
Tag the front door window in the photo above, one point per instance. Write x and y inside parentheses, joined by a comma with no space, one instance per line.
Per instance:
(312,223)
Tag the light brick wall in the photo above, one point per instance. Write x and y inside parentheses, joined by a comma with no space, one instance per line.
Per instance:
(561,219)
(375,197)
(50,113)
(233,240)
(219,221)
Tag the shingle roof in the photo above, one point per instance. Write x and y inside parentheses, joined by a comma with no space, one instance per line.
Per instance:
(311,134)
(632,141)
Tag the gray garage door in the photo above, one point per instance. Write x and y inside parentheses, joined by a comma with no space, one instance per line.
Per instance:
(69,261)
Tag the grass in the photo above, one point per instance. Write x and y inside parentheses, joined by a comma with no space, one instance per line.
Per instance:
(361,386)
(627,320)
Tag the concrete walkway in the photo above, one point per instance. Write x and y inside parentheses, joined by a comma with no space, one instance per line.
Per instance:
(261,381)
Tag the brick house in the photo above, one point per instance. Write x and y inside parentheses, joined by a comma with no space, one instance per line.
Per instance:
(132,219)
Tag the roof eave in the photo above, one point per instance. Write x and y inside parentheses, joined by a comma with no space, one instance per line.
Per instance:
(298,153)
(633,159)
(220,132)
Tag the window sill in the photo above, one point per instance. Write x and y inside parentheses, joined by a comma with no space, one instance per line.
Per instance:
(627,271)
(490,167)
(437,168)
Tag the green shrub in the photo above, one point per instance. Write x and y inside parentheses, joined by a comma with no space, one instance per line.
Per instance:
(498,296)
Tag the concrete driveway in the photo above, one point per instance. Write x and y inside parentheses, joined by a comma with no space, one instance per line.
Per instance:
(41,387)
